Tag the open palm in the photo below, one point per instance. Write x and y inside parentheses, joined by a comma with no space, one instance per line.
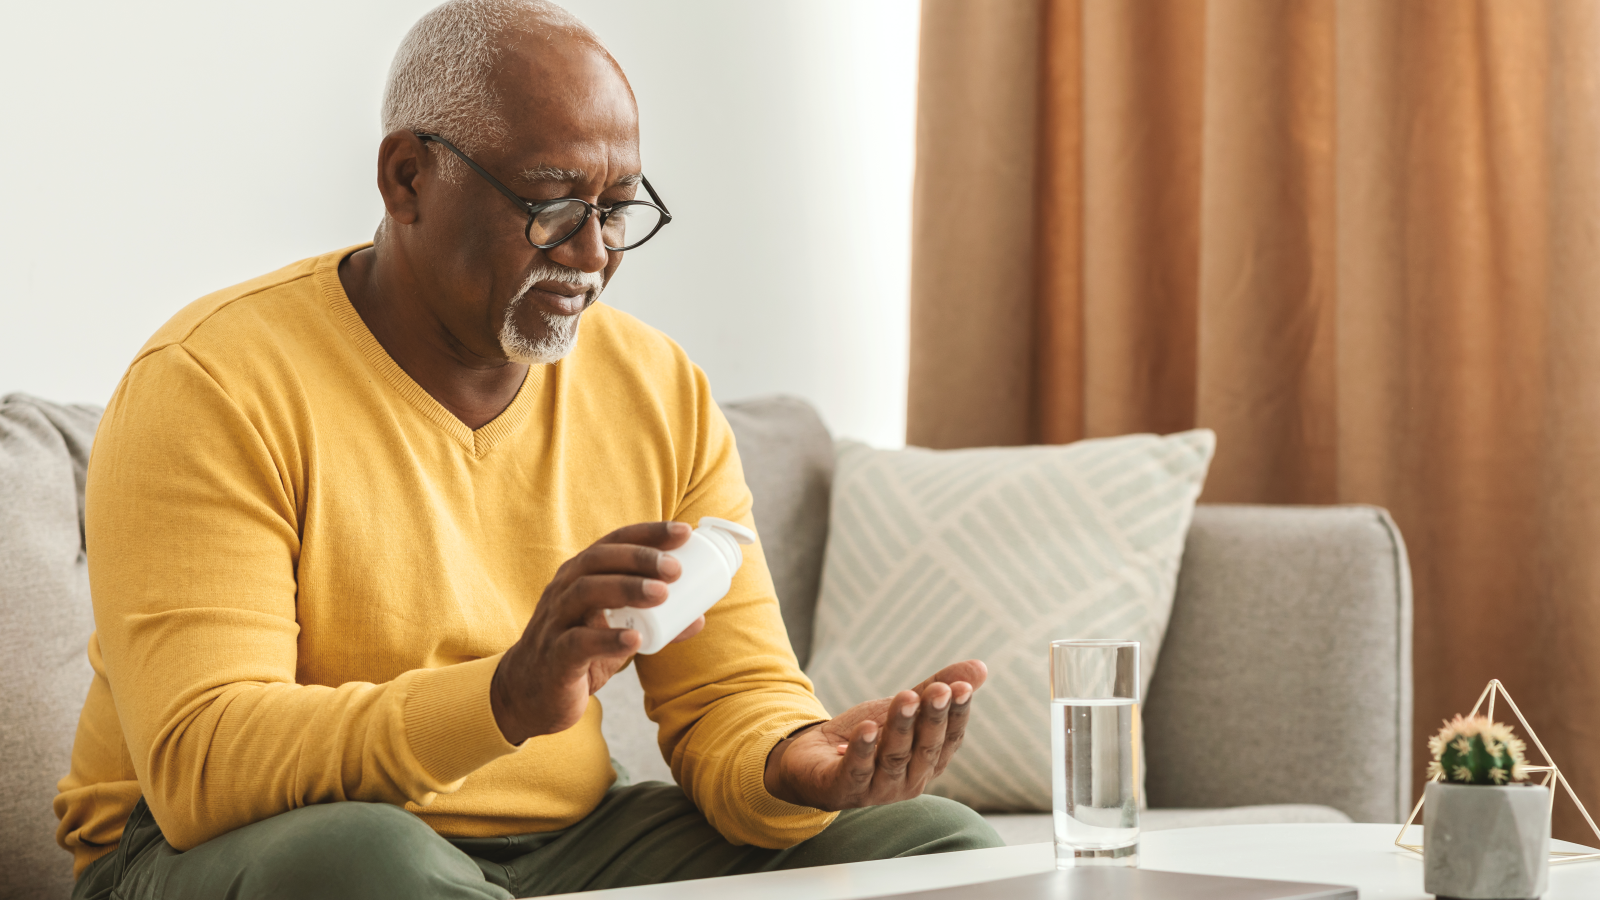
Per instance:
(880,751)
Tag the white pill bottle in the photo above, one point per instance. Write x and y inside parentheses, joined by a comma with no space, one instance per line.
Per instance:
(709,559)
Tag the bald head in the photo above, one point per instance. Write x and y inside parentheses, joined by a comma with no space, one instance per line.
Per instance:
(477,71)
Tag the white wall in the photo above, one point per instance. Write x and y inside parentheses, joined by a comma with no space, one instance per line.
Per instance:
(159,151)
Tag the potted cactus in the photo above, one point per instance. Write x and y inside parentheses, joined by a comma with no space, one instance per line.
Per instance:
(1486,835)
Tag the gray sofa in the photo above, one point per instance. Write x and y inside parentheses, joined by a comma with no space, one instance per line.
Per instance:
(1291,631)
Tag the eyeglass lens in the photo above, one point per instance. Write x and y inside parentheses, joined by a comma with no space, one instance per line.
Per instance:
(628,224)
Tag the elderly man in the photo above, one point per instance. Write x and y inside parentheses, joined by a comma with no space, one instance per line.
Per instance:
(353,527)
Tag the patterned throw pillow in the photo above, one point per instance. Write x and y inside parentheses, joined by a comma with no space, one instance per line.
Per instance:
(938,556)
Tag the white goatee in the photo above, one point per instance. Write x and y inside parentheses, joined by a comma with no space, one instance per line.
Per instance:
(560,332)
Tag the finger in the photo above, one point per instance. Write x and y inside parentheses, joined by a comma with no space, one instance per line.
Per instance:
(578,646)
(894,752)
(625,559)
(853,783)
(955,727)
(972,671)
(614,559)
(661,535)
(693,629)
(601,592)
(931,726)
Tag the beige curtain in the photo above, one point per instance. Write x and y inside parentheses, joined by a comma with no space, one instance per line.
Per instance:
(1358,238)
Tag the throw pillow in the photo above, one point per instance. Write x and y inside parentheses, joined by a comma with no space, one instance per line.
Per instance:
(938,556)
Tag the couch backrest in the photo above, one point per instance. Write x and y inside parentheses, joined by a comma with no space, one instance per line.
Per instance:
(788,463)
(45,621)
(1285,676)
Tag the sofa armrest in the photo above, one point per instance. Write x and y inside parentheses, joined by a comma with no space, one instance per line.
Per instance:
(1285,675)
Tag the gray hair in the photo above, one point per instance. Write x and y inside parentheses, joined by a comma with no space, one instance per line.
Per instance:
(440,80)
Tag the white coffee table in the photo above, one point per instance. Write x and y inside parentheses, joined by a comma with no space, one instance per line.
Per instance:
(1359,855)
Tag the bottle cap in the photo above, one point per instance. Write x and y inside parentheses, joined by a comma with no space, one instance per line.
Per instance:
(734,530)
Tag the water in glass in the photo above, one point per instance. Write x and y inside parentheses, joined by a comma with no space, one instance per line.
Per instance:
(1095,774)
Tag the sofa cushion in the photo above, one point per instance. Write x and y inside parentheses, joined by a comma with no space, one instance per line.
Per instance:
(1033,828)
(1290,622)
(45,622)
(788,463)
(940,555)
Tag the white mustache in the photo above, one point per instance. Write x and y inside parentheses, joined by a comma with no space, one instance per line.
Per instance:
(589,281)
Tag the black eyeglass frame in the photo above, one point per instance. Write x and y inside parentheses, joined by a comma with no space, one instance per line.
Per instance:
(534,207)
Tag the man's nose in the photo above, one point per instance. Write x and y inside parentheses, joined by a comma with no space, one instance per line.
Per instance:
(585,251)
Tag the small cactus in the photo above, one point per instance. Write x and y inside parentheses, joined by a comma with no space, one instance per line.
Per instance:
(1477,751)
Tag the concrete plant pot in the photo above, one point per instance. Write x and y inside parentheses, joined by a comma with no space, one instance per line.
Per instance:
(1482,842)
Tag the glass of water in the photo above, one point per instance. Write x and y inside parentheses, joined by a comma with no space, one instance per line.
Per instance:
(1094,750)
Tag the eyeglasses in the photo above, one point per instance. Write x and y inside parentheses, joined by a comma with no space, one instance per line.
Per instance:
(623,226)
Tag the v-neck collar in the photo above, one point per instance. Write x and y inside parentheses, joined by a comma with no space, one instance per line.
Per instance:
(477,442)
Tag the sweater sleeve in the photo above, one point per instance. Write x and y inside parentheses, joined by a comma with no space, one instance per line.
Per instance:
(193,531)
(725,698)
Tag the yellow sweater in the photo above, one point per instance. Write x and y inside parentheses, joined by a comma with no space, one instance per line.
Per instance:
(304,570)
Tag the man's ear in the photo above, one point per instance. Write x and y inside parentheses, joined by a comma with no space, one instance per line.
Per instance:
(402,158)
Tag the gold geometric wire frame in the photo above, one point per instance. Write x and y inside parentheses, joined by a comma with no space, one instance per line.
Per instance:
(1550,770)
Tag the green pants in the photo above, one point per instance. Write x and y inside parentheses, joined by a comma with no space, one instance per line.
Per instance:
(642,834)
